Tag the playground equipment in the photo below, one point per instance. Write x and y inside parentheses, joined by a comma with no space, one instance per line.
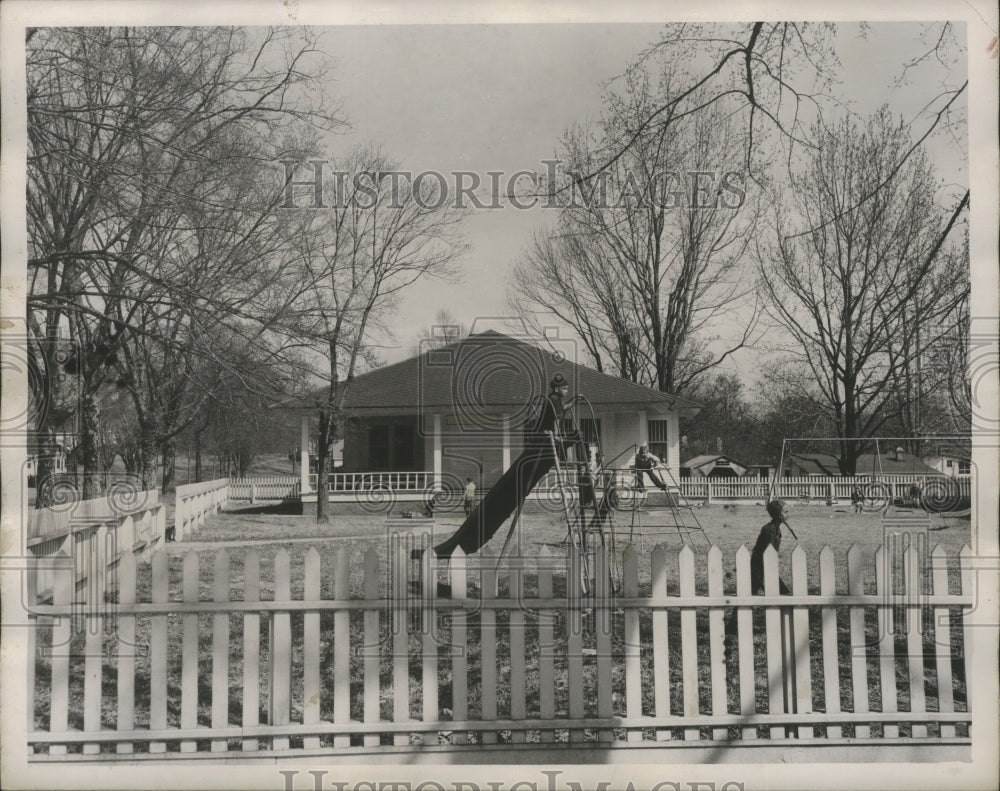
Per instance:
(589,493)
(886,475)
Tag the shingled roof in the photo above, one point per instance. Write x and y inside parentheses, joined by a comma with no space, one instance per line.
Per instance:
(867,464)
(491,370)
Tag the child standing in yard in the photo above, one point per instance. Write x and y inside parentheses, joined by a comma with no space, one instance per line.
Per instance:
(769,536)
(857,500)
(470,496)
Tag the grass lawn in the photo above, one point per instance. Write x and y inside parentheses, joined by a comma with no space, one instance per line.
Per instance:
(726,526)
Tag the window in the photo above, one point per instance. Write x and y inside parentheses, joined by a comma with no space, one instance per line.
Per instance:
(657,433)
(591,430)
(964,467)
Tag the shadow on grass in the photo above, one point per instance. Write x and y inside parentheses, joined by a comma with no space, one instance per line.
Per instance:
(284,508)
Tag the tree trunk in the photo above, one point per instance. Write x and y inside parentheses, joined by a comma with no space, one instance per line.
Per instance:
(169,457)
(44,467)
(322,453)
(91,488)
(197,457)
(147,456)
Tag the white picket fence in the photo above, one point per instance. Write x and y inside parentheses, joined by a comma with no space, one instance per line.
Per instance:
(512,660)
(940,489)
(91,536)
(265,488)
(195,502)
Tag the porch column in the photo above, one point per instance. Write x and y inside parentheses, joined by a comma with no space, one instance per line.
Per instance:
(643,428)
(437,450)
(304,455)
(673,459)
(506,441)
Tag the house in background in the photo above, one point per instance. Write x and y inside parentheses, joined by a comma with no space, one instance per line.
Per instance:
(713,465)
(952,465)
(460,412)
(892,461)
(35,449)
(719,465)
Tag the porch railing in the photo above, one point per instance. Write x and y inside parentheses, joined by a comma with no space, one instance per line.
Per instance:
(345,482)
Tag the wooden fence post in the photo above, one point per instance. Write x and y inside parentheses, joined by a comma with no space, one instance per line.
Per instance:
(251,647)
(189,651)
(717,641)
(777,698)
(399,624)
(373,646)
(546,644)
(800,668)
(159,648)
(661,640)
(342,646)
(280,647)
(220,650)
(311,688)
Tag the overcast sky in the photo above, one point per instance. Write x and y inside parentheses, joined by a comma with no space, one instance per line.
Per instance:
(498,97)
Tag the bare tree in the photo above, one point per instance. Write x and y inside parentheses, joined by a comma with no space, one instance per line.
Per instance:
(445,330)
(858,284)
(378,236)
(134,138)
(646,258)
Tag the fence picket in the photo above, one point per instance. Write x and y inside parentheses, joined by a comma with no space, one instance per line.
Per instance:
(859,638)
(574,643)
(279,646)
(311,689)
(251,647)
(429,641)
(968,588)
(602,621)
(459,643)
(633,666)
(801,643)
(745,642)
(546,645)
(913,576)
(342,645)
(518,675)
(63,590)
(125,720)
(93,623)
(488,647)
(189,652)
(400,635)
(661,640)
(159,648)
(220,649)
(372,647)
(689,655)
(717,642)
(886,637)
(942,640)
(776,637)
(828,616)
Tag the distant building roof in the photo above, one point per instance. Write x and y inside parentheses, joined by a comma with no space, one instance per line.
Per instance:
(489,370)
(886,463)
(711,461)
